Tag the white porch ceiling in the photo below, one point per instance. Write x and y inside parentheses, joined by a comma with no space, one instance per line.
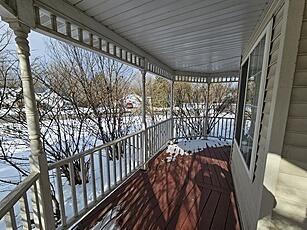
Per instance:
(187,35)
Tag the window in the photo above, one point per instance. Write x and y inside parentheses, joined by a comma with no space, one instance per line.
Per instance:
(250,107)
(252,84)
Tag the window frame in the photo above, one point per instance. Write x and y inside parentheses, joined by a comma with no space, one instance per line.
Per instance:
(267,33)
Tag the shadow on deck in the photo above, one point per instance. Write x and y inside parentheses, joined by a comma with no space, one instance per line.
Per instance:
(192,192)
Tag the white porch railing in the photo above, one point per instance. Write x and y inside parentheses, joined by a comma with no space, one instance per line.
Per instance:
(16,207)
(193,127)
(102,169)
(158,135)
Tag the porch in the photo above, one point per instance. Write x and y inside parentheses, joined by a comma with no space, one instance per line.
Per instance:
(132,179)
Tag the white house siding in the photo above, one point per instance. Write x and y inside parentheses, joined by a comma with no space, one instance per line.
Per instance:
(249,192)
(291,189)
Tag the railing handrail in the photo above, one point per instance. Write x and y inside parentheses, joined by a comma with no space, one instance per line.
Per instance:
(12,198)
(189,117)
(159,123)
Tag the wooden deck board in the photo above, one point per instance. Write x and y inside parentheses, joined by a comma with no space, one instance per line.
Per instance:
(192,192)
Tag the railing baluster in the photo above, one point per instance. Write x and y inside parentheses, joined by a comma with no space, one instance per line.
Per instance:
(156,139)
(216,125)
(163,134)
(159,136)
(114,164)
(73,188)
(93,177)
(165,128)
(83,175)
(177,134)
(151,142)
(36,208)
(10,219)
(61,196)
(229,127)
(25,211)
(138,150)
(125,156)
(152,139)
(134,151)
(166,132)
(130,158)
(214,128)
(226,129)
(119,151)
(101,172)
(223,127)
(108,168)
(170,129)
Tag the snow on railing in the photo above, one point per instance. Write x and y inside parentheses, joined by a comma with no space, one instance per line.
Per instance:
(16,208)
(194,127)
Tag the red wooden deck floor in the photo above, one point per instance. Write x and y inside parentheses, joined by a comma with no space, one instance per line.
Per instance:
(192,192)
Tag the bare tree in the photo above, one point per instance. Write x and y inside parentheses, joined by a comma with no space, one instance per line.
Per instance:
(157,97)
(191,100)
(93,83)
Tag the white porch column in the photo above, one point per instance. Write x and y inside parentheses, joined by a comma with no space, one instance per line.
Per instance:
(172,109)
(207,111)
(38,160)
(144,123)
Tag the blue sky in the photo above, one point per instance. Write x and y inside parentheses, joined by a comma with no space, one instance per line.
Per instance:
(37,44)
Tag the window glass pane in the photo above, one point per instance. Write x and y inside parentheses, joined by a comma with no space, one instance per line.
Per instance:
(251,101)
(242,86)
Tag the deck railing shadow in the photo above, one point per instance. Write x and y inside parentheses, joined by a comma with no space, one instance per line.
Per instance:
(163,196)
